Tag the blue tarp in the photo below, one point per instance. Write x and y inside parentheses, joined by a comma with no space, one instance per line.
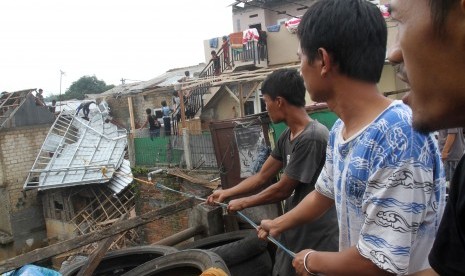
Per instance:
(32,270)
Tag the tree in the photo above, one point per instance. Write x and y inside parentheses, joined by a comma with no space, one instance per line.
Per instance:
(85,85)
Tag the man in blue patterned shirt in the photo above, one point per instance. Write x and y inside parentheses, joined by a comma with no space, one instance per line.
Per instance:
(384,178)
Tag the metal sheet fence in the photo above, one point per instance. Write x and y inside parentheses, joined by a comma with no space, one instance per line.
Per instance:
(202,152)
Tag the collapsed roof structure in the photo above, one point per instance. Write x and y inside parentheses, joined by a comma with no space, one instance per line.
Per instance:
(80,151)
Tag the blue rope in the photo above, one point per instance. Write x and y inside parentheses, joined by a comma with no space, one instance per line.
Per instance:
(253,224)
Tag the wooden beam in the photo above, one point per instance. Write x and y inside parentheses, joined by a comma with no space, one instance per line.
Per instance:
(241,100)
(118,227)
(182,108)
(232,94)
(95,258)
(131,115)
(131,146)
(254,87)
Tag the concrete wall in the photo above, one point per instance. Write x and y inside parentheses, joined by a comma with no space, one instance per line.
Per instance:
(267,17)
(242,20)
(282,47)
(21,212)
(207,49)
(271,17)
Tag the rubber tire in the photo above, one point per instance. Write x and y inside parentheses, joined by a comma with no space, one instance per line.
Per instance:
(120,261)
(260,265)
(186,263)
(242,250)
(217,240)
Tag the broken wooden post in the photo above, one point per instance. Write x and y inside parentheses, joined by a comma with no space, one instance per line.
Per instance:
(181,236)
(131,147)
(118,227)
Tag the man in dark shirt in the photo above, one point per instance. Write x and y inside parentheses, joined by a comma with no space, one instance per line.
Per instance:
(40,98)
(85,109)
(430,55)
(216,63)
(52,108)
(154,124)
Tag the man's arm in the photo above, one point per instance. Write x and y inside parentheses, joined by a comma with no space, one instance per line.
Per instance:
(146,122)
(274,193)
(448,145)
(426,272)
(269,169)
(346,262)
(313,206)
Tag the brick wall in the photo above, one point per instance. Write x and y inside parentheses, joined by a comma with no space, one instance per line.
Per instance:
(151,198)
(119,107)
(18,150)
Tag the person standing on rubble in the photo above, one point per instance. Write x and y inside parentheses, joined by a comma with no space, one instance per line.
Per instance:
(40,97)
(300,153)
(85,106)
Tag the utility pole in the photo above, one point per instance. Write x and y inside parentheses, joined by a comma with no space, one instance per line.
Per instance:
(61,77)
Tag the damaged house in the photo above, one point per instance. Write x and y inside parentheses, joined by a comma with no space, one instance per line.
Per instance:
(60,176)
(82,174)
(23,128)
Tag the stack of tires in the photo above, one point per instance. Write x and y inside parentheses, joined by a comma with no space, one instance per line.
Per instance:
(152,260)
(236,253)
(242,252)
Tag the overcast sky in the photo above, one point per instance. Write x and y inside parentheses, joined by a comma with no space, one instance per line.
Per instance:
(111,39)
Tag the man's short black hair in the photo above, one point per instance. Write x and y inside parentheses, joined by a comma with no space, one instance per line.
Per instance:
(353,32)
(148,111)
(285,83)
(439,11)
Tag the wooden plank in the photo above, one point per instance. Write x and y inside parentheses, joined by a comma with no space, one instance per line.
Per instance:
(241,100)
(131,115)
(118,227)
(97,255)
(131,146)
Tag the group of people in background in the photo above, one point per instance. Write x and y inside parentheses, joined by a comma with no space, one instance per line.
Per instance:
(155,125)
(382,182)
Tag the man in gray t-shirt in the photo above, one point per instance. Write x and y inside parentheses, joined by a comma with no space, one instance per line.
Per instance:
(300,152)
(451,144)
(303,157)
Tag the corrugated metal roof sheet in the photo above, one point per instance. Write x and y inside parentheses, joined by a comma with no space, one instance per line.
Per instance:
(166,79)
(79,152)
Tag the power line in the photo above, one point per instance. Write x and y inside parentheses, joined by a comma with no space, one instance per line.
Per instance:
(262,7)
(305,6)
(123,80)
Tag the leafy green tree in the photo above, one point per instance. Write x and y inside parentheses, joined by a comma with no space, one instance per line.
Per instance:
(86,85)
